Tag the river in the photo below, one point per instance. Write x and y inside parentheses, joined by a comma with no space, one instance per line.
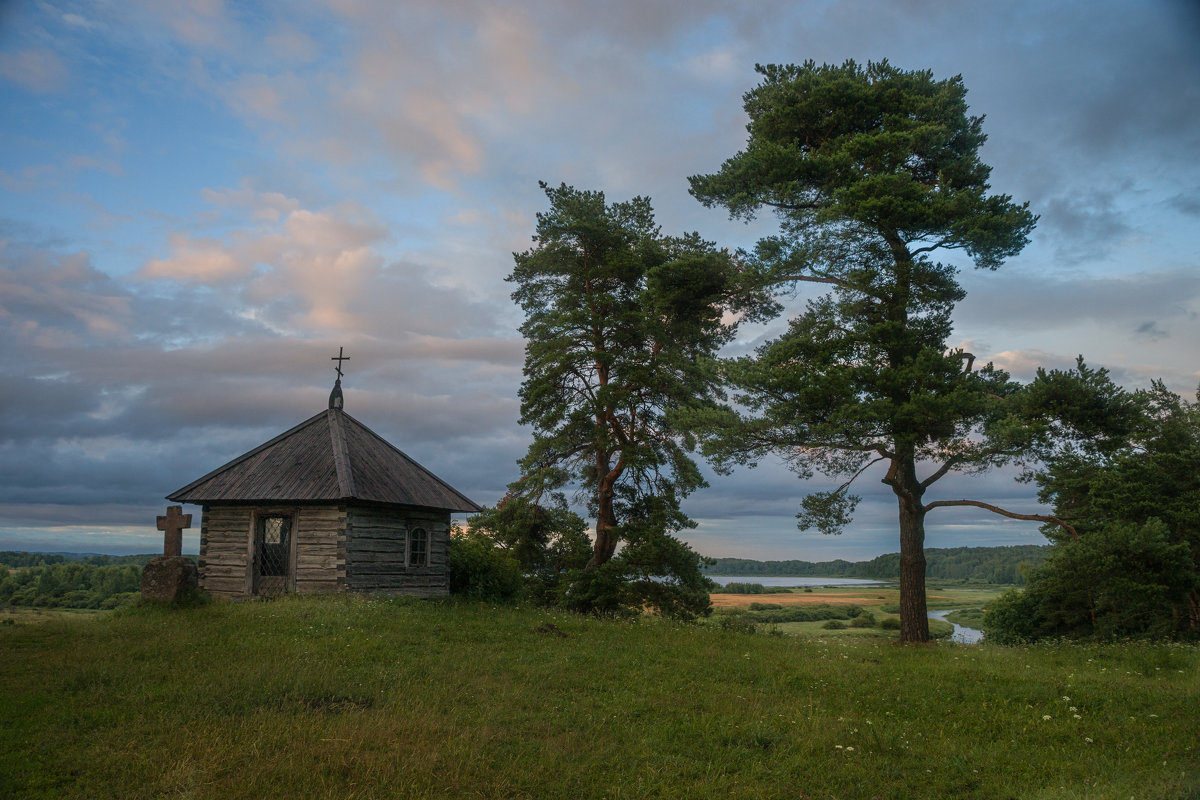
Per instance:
(961,633)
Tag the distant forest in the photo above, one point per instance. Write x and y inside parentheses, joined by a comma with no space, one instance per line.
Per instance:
(1007,565)
(69,580)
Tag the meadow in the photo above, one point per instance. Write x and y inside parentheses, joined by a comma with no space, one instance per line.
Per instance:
(351,697)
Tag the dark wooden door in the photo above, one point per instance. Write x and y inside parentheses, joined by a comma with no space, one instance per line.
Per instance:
(272,554)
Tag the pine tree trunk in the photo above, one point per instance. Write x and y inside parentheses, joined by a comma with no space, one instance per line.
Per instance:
(914,615)
(606,523)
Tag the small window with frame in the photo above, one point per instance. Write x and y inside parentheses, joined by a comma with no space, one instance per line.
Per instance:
(418,547)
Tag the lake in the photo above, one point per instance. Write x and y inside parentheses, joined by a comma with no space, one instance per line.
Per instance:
(797,580)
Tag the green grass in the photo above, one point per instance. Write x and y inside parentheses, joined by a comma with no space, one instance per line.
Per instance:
(969,617)
(14,615)
(937,629)
(343,697)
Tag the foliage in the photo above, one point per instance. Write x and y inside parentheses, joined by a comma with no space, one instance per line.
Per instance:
(1123,580)
(16,558)
(804,613)
(70,584)
(480,570)
(1134,569)
(863,620)
(872,170)
(737,622)
(547,541)
(652,571)
(619,322)
(984,564)
(13,558)
(967,617)
(737,587)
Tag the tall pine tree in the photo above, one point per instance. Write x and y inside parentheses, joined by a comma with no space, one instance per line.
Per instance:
(872,171)
(621,325)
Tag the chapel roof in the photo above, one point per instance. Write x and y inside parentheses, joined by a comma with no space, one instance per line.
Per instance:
(329,457)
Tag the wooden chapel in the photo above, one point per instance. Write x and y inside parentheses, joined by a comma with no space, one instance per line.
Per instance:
(328,506)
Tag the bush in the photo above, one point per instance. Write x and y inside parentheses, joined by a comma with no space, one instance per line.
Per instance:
(739,623)
(864,620)
(745,588)
(1011,618)
(1121,581)
(122,599)
(764,606)
(654,571)
(481,571)
(835,625)
(804,613)
(890,623)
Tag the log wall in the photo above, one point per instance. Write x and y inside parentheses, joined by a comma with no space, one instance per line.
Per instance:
(224,545)
(320,550)
(335,549)
(376,539)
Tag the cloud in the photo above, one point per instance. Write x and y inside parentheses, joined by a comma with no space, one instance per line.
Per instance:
(1013,298)
(55,300)
(199,23)
(263,206)
(1085,226)
(1151,330)
(201,260)
(292,46)
(262,96)
(40,71)
(282,182)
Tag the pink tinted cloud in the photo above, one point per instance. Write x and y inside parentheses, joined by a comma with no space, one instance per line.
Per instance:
(196,260)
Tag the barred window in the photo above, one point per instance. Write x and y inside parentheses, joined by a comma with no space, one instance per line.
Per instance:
(418,547)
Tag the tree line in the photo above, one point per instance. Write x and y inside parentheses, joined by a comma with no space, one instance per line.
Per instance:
(18,558)
(70,584)
(1000,565)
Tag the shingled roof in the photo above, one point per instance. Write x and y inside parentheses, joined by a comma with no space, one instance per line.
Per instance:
(327,458)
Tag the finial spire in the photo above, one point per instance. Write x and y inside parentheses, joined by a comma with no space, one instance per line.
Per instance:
(335,397)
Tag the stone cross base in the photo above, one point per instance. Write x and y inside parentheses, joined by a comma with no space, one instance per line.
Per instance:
(168,578)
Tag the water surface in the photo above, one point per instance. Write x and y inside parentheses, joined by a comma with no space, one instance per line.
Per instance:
(961,633)
(784,581)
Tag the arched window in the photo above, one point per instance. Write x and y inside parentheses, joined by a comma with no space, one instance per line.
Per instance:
(418,547)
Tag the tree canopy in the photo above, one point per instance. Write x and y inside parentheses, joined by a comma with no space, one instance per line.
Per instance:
(871,171)
(620,324)
(1132,567)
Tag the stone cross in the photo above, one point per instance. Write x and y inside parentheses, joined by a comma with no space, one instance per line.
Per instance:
(173,524)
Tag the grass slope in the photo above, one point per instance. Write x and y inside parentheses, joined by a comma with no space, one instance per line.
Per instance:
(357,698)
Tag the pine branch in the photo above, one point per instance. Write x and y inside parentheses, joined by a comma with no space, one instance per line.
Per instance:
(1002,512)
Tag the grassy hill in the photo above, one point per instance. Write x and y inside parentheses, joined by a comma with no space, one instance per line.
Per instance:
(346,697)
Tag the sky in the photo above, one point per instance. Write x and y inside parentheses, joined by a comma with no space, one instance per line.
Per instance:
(200,202)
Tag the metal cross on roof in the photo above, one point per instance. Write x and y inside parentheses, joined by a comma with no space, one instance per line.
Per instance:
(339,358)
